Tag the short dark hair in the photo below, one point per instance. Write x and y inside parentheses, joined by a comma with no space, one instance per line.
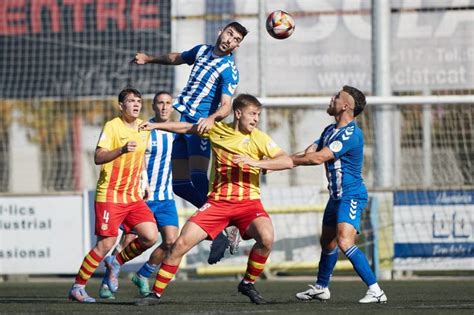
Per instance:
(125,92)
(359,98)
(245,100)
(160,93)
(238,27)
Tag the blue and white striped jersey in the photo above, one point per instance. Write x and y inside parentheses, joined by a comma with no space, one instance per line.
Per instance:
(344,173)
(158,164)
(211,76)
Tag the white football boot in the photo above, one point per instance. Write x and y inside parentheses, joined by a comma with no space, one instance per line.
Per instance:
(374,297)
(314,293)
(234,238)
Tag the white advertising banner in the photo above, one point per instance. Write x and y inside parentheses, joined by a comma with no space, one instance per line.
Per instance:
(42,234)
(434,230)
(431,46)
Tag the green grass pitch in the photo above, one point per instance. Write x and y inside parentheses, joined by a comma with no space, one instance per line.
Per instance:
(221,297)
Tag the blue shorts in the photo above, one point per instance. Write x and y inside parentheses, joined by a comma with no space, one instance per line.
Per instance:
(347,209)
(164,211)
(188,145)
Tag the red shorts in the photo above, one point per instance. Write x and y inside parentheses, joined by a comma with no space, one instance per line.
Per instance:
(109,216)
(214,216)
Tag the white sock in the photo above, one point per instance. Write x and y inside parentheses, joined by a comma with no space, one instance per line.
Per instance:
(375,288)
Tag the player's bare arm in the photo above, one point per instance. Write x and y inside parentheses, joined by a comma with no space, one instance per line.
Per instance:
(313,157)
(171,126)
(165,59)
(103,155)
(281,161)
(205,124)
(311,148)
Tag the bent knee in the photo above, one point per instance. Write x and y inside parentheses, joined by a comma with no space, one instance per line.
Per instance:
(105,245)
(344,244)
(166,245)
(148,240)
(179,243)
(267,240)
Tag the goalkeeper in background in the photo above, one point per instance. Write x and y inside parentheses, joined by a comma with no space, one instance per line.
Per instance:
(213,80)
(340,148)
(159,197)
(120,152)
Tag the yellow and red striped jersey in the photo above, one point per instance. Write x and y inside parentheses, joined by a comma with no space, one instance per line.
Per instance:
(228,180)
(119,179)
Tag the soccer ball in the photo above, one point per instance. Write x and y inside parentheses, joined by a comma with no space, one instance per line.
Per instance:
(280,24)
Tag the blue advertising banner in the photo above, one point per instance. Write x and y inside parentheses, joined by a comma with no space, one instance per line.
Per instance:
(434,230)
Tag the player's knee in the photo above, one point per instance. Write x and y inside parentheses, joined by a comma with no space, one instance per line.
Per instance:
(266,240)
(171,240)
(180,243)
(166,245)
(178,249)
(148,240)
(105,245)
(344,243)
(327,244)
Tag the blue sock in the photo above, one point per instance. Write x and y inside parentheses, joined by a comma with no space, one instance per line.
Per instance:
(326,266)
(184,188)
(361,265)
(201,182)
(146,270)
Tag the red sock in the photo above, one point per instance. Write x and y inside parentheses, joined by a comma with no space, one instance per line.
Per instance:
(163,277)
(133,250)
(255,266)
(89,265)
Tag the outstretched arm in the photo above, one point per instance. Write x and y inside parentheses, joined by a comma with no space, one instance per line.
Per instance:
(205,124)
(281,161)
(311,157)
(311,148)
(165,59)
(172,126)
